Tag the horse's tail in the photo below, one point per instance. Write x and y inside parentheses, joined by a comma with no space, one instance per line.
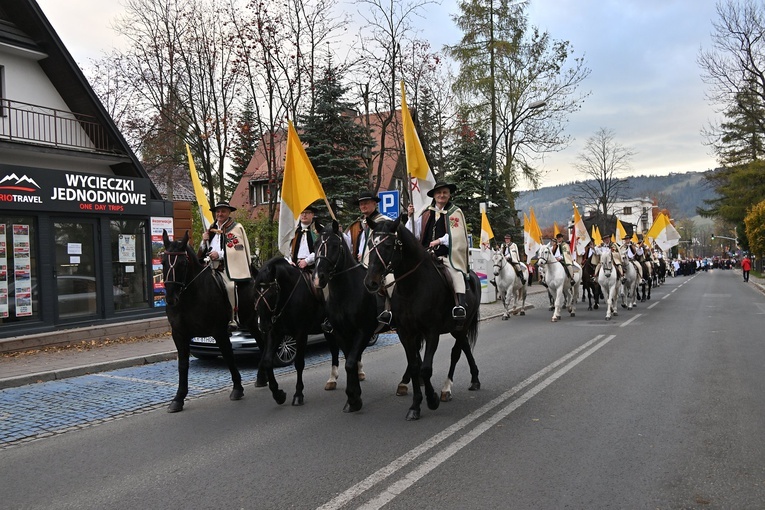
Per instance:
(472,331)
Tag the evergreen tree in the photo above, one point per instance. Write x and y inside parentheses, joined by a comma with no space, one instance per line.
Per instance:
(244,145)
(336,146)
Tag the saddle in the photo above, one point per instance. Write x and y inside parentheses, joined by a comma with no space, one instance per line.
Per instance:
(445,274)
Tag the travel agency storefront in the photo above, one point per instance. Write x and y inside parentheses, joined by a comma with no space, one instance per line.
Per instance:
(76,249)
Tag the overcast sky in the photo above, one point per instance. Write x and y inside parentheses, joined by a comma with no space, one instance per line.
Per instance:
(645,84)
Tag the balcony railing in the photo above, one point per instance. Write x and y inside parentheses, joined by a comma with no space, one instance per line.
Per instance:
(48,126)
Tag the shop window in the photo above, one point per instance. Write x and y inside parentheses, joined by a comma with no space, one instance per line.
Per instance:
(128,247)
(19,290)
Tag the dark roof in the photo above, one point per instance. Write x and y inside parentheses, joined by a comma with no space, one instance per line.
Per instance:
(183,189)
(23,24)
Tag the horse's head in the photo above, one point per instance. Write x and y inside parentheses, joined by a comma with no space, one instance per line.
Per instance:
(331,254)
(176,262)
(385,252)
(497,260)
(607,263)
(544,255)
(267,292)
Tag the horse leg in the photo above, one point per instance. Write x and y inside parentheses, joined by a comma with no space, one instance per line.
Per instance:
(224,344)
(413,370)
(300,346)
(353,386)
(426,372)
(403,387)
(334,351)
(267,361)
(446,390)
(182,347)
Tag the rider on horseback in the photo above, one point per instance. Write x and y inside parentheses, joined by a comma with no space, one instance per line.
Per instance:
(442,229)
(560,251)
(616,256)
(631,252)
(510,251)
(226,247)
(357,237)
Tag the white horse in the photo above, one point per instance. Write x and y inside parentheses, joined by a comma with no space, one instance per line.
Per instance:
(629,287)
(509,285)
(558,284)
(609,282)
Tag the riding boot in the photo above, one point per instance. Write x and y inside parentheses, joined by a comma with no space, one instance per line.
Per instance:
(384,315)
(568,273)
(233,324)
(459,312)
(519,273)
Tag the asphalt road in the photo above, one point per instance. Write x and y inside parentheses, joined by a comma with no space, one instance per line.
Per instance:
(660,408)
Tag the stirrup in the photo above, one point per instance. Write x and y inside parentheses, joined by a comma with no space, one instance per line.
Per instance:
(573,282)
(385,317)
(327,327)
(232,326)
(459,313)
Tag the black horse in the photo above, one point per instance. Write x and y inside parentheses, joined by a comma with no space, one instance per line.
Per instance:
(351,310)
(197,305)
(590,285)
(422,305)
(286,304)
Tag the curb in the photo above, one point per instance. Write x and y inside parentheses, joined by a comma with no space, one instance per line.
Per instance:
(55,375)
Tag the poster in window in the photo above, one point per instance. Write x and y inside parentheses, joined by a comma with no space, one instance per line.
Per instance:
(158,225)
(3,274)
(126,246)
(22,270)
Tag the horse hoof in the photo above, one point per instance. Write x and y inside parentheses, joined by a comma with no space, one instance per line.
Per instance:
(475,386)
(446,396)
(523,312)
(596,306)
(402,390)
(608,318)
(589,308)
(352,408)
(175,407)
(236,394)
(555,319)
(330,386)
(362,376)
(551,308)
(413,415)
(297,400)
(280,397)
(505,317)
(624,306)
(433,402)
(573,314)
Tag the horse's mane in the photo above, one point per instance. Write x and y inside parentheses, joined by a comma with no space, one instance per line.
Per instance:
(177,246)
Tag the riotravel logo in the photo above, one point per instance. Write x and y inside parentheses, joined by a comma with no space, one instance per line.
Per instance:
(13,182)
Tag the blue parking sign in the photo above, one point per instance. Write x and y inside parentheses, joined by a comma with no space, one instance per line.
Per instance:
(389,203)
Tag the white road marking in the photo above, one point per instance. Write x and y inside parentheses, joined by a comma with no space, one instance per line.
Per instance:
(627,323)
(408,458)
(655,303)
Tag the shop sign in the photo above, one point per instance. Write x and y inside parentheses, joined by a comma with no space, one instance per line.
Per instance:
(37,189)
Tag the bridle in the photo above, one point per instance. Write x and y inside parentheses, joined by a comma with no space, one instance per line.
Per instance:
(262,288)
(322,251)
(380,238)
(170,276)
(499,265)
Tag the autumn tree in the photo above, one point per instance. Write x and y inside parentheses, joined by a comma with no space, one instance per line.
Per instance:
(507,70)
(604,162)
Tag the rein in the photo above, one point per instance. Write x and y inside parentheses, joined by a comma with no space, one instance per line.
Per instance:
(262,294)
(171,269)
(397,246)
(323,250)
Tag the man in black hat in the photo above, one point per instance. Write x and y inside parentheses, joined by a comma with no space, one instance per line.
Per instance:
(226,247)
(510,251)
(442,229)
(357,236)
(302,245)
(562,254)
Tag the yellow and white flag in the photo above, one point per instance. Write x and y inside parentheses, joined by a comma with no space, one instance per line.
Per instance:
(421,179)
(199,192)
(620,232)
(580,233)
(666,236)
(486,232)
(556,229)
(596,237)
(300,188)
(535,235)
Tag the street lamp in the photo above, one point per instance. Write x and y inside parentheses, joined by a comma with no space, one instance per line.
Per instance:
(533,106)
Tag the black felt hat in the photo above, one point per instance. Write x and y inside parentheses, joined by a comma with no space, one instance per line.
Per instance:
(368,195)
(311,208)
(223,205)
(443,184)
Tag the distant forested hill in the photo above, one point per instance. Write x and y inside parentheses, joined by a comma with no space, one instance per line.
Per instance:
(680,193)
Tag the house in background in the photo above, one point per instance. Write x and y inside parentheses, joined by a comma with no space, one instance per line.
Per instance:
(255,191)
(76,206)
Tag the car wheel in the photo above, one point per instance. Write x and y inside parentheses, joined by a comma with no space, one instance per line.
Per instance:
(373,339)
(285,353)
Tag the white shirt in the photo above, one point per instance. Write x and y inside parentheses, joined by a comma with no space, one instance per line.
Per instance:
(303,252)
